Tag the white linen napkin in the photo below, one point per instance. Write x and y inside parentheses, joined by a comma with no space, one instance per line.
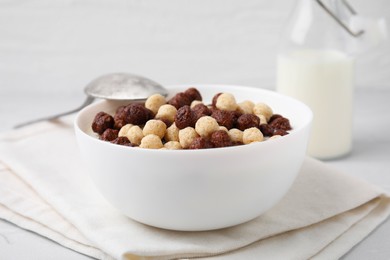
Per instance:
(44,188)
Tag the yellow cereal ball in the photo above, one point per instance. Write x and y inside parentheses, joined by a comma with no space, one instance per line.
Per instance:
(223,128)
(154,102)
(195,102)
(263,109)
(235,135)
(172,133)
(246,107)
(274,137)
(124,129)
(156,127)
(173,145)
(226,101)
(167,112)
(151,142)
(187,136)
(252,135)
(135,135)
(206,125)
(263,120)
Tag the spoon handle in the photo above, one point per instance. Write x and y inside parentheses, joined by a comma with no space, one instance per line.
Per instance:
(87,101)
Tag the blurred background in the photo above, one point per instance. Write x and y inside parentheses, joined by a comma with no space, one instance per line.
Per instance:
(52,49)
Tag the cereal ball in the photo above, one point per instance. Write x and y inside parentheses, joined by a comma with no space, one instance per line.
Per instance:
(214,100)
(187,136)
(199,111)
(194,94)
(201,143)
(179,100)
(101,122)
(273,117)
(206,125)
(151,142)
(156,127)
(195,102)
(280,132)
(119,117)
(222,128)
(135,135)
(247,121)
(184,117)
(220,138)
(246,107)
(262,118)
(225,118)
(266,129)
(124,129)
(252,135)
(172,133)
(136,114)
(109,134)
(154,102)
(173,145)
(167,112)
(263,109)
(226,101)
(274,137)
(281,123)
(235,135)
(122,140)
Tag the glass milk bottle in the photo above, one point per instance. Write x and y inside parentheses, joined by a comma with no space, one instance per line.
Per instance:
(314,66)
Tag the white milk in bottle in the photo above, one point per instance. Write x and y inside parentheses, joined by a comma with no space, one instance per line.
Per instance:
(322,79)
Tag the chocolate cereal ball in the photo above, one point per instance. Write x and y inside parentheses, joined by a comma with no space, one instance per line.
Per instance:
(156,127)
(154,102)
(136,114)
(184,117)
(263,109)
(101,122)
(109,134)
(122,140)
(119,117)
(266,129)
(172,133)
(206,125)
(151,142)
(281,123)
(226,101)
(247,121)
(179,100)
(187,136)
(220,138)
(193,94)
(199,111)
(201,143)
(166,112)
(214,100)
(225,118)
(252,135)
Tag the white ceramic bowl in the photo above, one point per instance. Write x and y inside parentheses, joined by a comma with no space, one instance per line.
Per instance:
(198,189)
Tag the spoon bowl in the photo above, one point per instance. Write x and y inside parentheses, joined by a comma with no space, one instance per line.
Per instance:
(113,86)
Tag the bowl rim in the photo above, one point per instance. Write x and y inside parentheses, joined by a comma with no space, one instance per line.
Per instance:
(306,123)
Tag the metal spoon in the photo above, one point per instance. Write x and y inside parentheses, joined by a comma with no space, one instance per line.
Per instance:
(114,86)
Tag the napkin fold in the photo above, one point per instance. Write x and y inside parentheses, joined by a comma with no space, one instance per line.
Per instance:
(45,188)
